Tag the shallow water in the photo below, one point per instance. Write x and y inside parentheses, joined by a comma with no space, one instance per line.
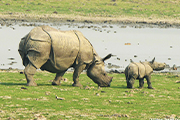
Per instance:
(125,42)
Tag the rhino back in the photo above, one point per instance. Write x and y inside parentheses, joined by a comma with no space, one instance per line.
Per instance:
(137,70)
(131,70)
(36,35)
(65,48)
(148,68)
(35,46)
(86,50)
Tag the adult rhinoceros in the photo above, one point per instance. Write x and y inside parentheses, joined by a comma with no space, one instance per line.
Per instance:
(56,51)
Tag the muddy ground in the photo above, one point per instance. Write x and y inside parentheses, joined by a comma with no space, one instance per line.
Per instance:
(13,18)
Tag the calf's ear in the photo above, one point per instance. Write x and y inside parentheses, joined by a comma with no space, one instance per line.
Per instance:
(107,57)
(153,60)
(131,61)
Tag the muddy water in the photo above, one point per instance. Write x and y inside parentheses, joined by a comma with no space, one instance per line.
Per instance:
(124,41)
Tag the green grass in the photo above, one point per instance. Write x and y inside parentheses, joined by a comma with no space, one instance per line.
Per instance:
(106,8)
(94,103)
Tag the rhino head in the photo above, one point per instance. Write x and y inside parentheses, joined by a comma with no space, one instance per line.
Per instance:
(156,65)
(98,74)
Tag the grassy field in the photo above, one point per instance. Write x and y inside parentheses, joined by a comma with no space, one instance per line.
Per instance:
(149,9)
(19,101)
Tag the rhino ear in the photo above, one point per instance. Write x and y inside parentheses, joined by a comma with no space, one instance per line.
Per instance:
(153,60)
(107,57)
(131,61)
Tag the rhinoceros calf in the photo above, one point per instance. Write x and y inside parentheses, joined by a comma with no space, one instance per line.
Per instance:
(140,71)
(55,51)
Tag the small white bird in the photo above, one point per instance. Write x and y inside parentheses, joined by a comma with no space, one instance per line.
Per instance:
(58,98)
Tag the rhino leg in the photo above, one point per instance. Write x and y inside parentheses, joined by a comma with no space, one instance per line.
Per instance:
(130,82)
(141,82)
(76,74)
(57,80)
(148,78)
(29,71)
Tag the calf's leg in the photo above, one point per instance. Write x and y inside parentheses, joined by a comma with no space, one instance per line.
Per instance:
(148,78)
(141,82)
(130,82)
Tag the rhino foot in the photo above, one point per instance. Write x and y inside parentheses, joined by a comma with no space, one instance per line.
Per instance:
(150,87)
(140,87)
(31,84)
(130,87)
(56,83)
(77,85)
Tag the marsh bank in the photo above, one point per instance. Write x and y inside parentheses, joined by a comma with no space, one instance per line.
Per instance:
(49,18)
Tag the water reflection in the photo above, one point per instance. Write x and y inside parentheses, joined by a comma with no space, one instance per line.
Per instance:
(125,42)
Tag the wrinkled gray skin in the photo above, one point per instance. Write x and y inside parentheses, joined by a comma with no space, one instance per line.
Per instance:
(140,71)
(55,51)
